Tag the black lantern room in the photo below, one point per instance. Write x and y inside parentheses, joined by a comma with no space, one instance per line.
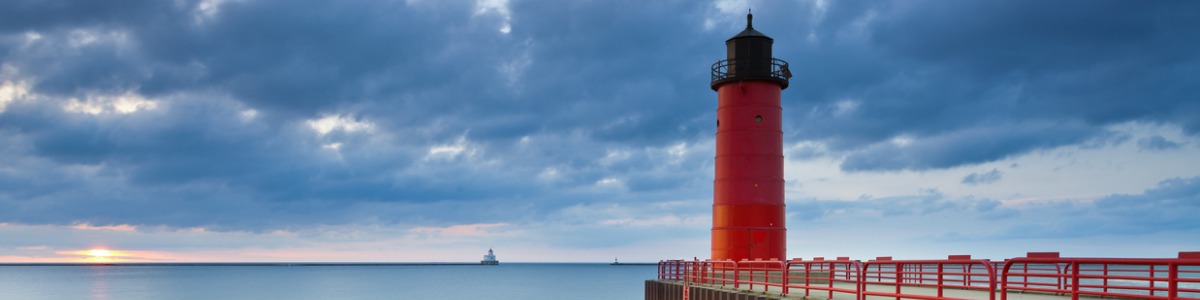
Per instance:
(748,57)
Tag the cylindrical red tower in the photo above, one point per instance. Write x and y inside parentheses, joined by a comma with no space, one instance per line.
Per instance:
(748,207)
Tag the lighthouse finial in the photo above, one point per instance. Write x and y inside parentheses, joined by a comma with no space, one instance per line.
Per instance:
(749,18)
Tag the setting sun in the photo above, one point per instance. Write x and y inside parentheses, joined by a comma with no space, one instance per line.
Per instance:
(100,255)
(104,254)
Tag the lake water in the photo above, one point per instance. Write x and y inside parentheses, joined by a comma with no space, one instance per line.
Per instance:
(515,281)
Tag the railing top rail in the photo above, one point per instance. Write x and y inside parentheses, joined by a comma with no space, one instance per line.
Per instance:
(823,261)
(929,261)
(855,263)
(1102,260)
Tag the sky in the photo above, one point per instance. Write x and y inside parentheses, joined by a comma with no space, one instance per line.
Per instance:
(565,131)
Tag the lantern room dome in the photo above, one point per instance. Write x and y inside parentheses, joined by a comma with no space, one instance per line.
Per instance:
(749,32)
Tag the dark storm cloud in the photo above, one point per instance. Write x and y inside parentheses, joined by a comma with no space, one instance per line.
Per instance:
(1157,142)
(21,15)
(969,145)
(982,178)
(926,204)
(928,70)
(1169,207)
(575,94)
(425,73)
(1166,208)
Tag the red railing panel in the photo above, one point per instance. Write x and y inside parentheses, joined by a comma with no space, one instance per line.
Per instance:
(764,273)
(1137,278)
(842,270)
(957,272)
(1044,272)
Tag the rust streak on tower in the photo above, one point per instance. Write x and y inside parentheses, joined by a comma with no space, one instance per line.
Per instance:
(748,206)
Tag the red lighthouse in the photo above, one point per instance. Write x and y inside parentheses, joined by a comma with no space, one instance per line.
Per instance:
(748,207)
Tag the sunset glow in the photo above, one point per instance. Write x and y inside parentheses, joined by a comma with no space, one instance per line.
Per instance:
(100,255)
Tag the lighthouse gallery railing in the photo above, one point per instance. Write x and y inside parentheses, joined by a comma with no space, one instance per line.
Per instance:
(749,69)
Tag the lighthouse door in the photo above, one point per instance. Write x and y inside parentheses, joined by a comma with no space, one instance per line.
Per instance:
(759,240)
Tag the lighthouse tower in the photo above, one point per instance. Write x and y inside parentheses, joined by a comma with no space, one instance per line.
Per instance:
(748,207)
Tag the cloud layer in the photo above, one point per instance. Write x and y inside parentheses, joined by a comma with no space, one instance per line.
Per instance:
(588,118)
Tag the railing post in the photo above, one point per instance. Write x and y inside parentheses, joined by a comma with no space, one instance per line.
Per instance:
(940,269)
(682,268)
(991,271)
(1074,280)
(1152,275)
(787,274)
(879,275)
(1106,280)
(786,277)
(847,268)
(736,275)
(660,270)
(970,274)
(687,283)
(829,281)
(807,275)
(1061,281)
(862,280)
(1025,273)
(1004,279)
(1173,281)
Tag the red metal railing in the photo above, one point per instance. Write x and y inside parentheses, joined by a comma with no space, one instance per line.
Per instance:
(764,273)
(720,272)
(824,275)
(957,271)
(1038,272)
(1140,278)
(1035,276)
(711,272)
(671,269)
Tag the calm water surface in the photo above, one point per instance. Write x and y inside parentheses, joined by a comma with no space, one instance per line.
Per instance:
(517,281)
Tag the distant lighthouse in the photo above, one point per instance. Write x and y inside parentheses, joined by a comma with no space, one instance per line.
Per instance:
(748,206)
(489,259)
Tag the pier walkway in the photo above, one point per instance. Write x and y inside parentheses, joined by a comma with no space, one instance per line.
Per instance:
(1037,276)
